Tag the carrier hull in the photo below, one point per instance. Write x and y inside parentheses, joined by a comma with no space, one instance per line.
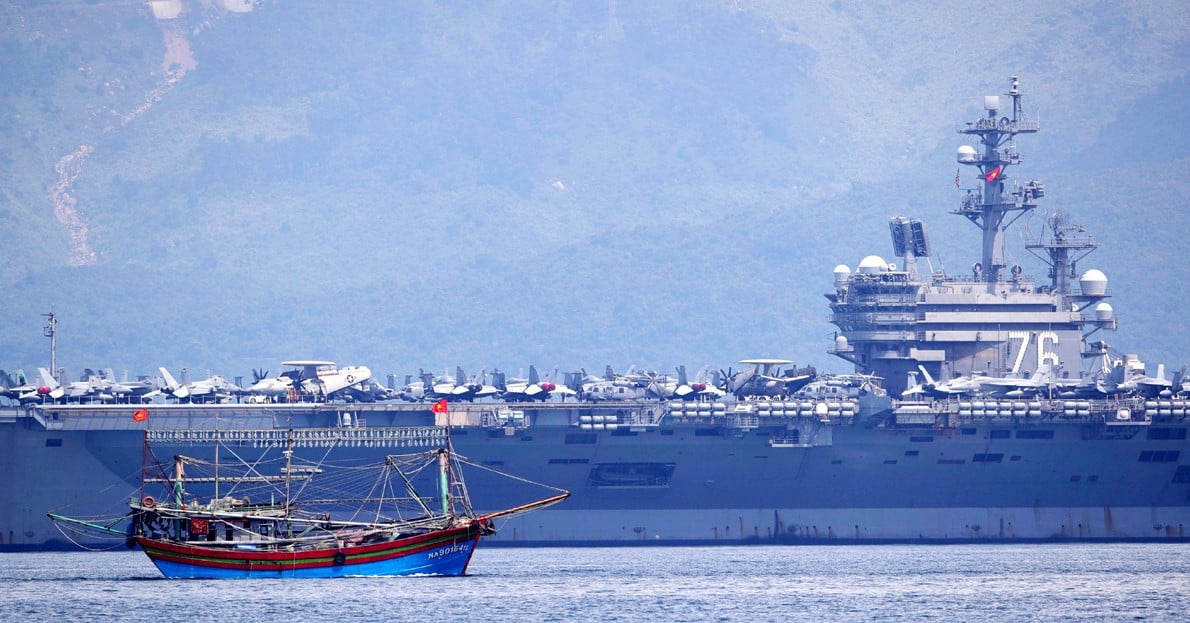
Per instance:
(692,481)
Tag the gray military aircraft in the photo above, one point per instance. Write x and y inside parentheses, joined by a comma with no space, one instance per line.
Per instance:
(212,389)
(533,388)
(765,378)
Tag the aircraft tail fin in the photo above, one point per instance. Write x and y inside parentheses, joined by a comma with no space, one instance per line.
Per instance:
(1044,374)
(1117,375)
(170,382)
(926,374)
(47,379)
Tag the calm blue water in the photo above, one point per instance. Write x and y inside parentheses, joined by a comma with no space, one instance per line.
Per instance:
(1065,582)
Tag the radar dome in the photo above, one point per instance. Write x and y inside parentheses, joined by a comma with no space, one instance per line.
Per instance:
(1103,312)
(871,264)
(842,272)
(966,155)
(1093,283)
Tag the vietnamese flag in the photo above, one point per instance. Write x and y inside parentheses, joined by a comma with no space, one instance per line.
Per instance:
(994,174)
(140,415)
(439,407)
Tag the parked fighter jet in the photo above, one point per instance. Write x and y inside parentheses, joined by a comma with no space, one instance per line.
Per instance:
(1000,387)
(13,385)
(18,387)
(1132,378)
(460,387)
(683,389)
(533,388)
(212,389)
(944,387)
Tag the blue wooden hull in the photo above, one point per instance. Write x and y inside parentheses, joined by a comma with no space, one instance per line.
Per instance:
(443,552)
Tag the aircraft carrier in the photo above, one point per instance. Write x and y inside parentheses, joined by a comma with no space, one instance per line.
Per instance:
(1005,418)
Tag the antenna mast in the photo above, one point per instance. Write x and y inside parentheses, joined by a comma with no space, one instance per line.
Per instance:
(51,331)
(989,207)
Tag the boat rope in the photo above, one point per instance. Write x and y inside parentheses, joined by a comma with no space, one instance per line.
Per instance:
(68,531)
(466,461)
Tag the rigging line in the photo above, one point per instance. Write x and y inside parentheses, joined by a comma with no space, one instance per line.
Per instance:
(467,461)
(410,489)
(117,540)
(252,468)
(101,493)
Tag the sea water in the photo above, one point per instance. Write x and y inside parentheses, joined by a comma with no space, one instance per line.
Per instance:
(1055,582)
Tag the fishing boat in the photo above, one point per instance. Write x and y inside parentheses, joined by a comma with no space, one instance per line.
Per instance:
(285,503)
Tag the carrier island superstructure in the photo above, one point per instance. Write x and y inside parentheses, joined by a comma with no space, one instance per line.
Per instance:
(1048,447)
(996,320)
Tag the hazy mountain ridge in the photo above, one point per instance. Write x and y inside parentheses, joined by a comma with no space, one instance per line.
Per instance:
(408,185)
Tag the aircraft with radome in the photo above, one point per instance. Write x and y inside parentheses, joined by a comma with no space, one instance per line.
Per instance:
(764,377)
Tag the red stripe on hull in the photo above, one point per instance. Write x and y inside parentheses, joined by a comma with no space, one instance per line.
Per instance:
(246,559)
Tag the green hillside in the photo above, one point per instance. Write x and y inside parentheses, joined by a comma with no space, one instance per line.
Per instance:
(420,184)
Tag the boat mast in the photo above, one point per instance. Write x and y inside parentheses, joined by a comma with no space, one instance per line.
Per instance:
(288,466)
(989,208)
(179,473)
(444,481)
